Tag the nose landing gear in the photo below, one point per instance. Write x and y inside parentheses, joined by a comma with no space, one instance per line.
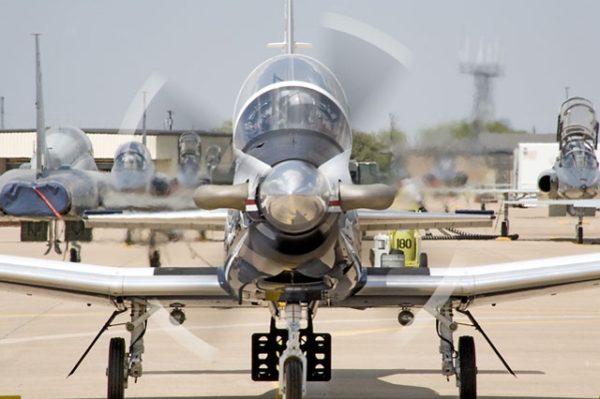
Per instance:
(293,355)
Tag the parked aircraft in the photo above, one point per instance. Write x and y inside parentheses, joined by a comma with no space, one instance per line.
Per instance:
(293,240)
(134,171)
(573,183)
(445,174)
(60,182)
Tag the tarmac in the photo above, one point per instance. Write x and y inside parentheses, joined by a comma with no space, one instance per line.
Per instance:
(552,342)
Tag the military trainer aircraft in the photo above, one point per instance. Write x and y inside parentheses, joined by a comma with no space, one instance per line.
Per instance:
(573,183)
(61,181)
(293,240)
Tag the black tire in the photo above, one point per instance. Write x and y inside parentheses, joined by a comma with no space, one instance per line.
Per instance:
(468,368)
(423,260)
(579,234)
(504,228)
(74,255)
(154,259)
(293,379)
(116,369)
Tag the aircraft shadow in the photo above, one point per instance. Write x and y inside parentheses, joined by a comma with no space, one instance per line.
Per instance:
(350,384)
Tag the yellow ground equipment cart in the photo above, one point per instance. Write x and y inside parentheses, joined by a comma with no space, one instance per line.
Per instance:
(399,248)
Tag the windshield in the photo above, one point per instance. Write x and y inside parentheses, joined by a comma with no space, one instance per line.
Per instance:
(579,154)
(290,67)
(290,107)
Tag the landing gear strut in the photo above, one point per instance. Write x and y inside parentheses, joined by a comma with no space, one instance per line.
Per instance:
(460,363)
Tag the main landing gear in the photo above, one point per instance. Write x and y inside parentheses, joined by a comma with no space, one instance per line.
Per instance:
(293,355)
(122,364)
(459,363)
(462,362)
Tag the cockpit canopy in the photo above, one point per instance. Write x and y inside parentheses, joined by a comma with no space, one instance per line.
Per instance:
(132,156)
(189,144)
(291,91)
(577,117)
(578,134)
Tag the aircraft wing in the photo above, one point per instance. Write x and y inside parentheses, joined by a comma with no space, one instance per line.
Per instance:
(383,286)
(480,190)
(105,283)
(194,220)
(576,203)
(478,284)
(399,220)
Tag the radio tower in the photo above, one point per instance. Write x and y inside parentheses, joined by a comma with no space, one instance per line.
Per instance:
(484,67)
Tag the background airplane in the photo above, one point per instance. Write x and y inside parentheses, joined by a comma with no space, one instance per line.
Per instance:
(574,180)
(59,183)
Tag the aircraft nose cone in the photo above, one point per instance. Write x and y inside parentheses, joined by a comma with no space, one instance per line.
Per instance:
(35,199)
(294,196)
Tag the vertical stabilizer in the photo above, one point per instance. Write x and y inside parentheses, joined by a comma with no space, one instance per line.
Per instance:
(40,147)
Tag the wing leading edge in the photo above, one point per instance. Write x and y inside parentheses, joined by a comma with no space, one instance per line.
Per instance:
(194,220)
(393,220)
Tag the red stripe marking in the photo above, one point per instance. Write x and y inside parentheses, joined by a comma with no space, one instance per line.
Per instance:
(250,201)
(50,206)
(335,203)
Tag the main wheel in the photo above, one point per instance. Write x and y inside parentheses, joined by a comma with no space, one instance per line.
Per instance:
(423,260)
(155,259)
(74,255)
(504,228)
(579,234)
(293,379)
(468,368)
(116,369)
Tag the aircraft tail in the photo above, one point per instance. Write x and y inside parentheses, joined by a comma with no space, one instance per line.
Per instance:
(289,44)
(41,150)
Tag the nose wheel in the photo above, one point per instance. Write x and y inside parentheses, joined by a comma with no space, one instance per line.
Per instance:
(293,378)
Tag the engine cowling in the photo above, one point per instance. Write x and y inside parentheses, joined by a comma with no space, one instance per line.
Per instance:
(548,182)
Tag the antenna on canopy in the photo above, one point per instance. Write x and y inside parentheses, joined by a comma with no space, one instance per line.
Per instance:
(40,147)
(289,44)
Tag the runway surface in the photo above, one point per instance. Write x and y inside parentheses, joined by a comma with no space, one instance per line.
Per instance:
(552,342)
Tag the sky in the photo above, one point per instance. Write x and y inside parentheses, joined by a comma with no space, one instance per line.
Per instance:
(97,54)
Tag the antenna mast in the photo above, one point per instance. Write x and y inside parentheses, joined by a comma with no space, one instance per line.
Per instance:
(289,44)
